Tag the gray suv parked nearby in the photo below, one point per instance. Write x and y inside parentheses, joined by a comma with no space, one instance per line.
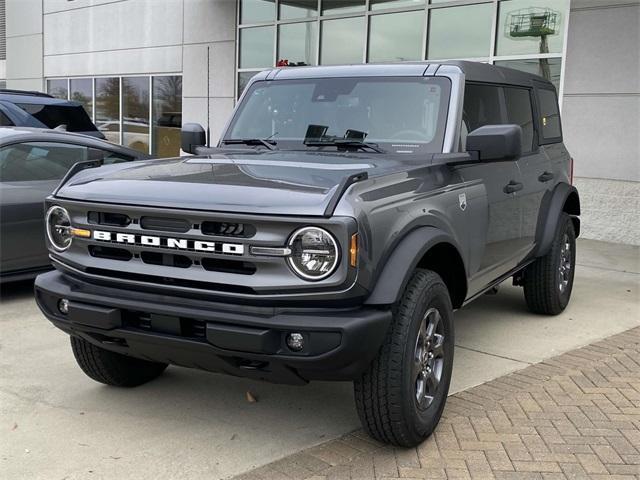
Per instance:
(343,217)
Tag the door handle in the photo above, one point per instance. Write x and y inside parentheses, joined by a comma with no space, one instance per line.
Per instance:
(513,186)
(545,177)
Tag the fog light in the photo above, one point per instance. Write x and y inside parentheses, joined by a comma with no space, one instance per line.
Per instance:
(63,306)
(295,341)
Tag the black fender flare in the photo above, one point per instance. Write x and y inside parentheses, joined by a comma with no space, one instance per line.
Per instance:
(550,211)
(402,261)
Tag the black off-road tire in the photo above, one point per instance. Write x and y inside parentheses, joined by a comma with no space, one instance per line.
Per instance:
(542,279)
(386,393)
(113,368)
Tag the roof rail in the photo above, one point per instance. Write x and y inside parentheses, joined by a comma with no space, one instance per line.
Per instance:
(32,93)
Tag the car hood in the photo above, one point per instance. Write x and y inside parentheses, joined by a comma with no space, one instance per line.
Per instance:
(269,182)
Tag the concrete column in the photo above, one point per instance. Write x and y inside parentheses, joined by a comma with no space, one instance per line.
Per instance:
(601,115)
(209,24)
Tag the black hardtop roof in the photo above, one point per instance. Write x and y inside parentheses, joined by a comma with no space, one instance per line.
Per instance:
(474,72)
(35,98)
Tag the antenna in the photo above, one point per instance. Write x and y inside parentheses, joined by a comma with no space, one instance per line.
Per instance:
(208,97)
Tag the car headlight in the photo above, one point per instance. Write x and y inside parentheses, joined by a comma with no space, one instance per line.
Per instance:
(314,253)
(59,228)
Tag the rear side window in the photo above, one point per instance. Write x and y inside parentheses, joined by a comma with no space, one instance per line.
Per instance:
(482,106)
(519,112)
(75,118)
(551,130)
(4,120)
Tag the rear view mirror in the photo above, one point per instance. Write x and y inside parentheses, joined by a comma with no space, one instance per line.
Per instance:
(496,142)
(192,136)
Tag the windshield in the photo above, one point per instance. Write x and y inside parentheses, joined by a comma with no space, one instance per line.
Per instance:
(398,114)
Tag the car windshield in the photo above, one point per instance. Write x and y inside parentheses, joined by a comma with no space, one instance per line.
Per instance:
(397,114)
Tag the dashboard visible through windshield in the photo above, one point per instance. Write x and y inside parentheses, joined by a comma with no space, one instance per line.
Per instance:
(386,114)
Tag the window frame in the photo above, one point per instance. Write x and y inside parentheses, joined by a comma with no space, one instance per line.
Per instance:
(536,135)
(542,140)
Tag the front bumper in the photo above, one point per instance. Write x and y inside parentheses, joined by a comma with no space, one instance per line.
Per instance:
(240,340)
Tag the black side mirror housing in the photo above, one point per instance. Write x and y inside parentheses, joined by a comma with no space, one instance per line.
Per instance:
(192,136)
(496,142)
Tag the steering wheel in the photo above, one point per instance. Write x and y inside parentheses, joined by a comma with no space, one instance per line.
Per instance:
(409,135)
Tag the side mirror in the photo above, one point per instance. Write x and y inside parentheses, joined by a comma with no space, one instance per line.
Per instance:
(496,142)
(192,136)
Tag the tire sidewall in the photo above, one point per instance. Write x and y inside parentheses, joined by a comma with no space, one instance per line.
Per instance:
(424,421)
(565,227)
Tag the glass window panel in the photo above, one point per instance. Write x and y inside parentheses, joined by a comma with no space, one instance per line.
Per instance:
(519,112)
(460,32)
(531,26)
(58,88)
(382,4)
(336,7)
(298,9)
(396,37)
(135,113)
(481,106)
(24,162)
(108,107)
(82,92)
(254,11)
(548,68)
(256,47)
(549,114)
(297,44)
(342,41)
(243,80)
(167,115)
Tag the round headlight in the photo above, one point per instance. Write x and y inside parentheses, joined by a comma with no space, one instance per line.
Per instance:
(59,228)
(314,253)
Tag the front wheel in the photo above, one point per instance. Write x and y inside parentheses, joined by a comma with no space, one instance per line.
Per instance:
(113,368)
(548,281)
(401,396)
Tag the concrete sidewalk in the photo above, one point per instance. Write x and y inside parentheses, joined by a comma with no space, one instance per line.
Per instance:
(573,416)
(56,423)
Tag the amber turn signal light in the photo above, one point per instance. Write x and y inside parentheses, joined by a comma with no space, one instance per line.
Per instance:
(79,232)
(353,250)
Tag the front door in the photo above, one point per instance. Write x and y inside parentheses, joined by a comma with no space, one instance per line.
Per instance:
(496,230)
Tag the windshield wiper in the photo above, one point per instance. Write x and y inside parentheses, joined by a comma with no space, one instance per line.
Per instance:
(267,143)
(346,143)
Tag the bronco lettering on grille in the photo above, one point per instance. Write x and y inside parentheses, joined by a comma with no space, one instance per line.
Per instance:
(168,242)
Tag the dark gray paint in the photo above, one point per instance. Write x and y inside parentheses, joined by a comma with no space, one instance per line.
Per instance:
(279,191)
(22,211)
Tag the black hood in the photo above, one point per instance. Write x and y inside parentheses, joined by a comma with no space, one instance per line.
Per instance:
(247,181)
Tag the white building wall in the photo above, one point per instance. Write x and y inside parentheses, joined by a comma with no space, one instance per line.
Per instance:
(601,115)
(24,44)
(81,38)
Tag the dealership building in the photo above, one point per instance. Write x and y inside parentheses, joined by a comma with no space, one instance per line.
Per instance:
(140,66)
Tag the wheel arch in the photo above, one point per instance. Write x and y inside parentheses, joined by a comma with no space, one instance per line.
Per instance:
(425,247)
(563,199)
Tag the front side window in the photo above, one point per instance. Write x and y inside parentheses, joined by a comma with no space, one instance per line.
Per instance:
(23,162)
(549,115)
(403,115)
(519,112)
(481,106)
(73,118)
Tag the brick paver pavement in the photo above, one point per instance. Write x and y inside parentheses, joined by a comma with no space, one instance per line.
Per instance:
(574,416)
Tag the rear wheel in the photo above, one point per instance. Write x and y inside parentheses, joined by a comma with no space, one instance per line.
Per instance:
(401,396)
(548,281)
(113,368)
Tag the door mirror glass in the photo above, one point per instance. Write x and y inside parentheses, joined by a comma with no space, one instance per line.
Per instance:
(192,136)
(496,142)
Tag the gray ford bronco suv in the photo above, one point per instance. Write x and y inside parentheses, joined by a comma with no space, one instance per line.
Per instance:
(344,215)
